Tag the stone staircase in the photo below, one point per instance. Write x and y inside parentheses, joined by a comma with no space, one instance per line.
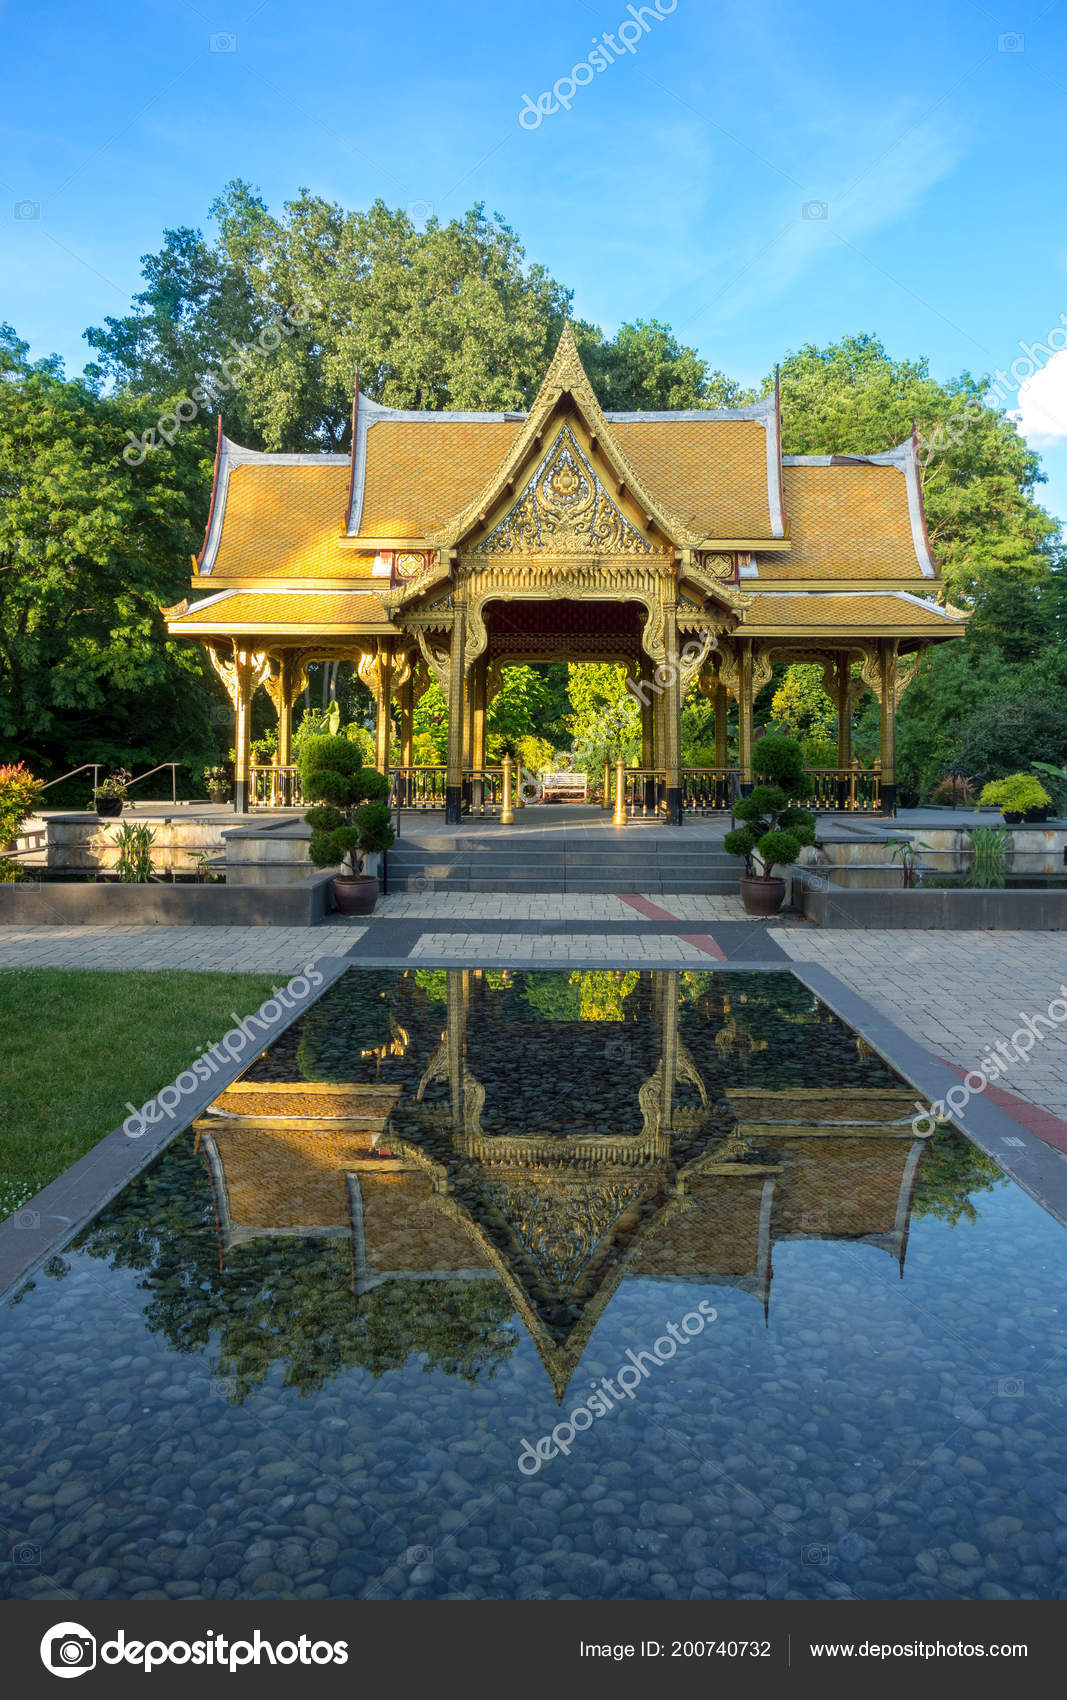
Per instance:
(648,861)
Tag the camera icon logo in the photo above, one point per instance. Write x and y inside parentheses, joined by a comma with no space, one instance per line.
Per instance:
(25,1553)
(815,1554)
(1010,1387)
(815,209)
(68,1649)
(1011,42)
(27,209)
(223,42)
(29,1220)
(617,1050)
(420,211)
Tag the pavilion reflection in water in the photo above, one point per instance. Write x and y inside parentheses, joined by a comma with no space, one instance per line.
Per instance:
(558,1161)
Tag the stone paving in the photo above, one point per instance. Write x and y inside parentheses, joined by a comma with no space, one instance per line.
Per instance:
(956,993)
(229,950)
(629,948)
(460,906)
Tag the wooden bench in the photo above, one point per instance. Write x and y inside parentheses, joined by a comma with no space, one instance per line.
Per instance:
(564,788)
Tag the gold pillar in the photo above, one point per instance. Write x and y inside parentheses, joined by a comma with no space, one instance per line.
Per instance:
(672,708)
(242,702)
(887,674)
(384,704)
(407,723)
(744,711)
(456,706)
(479,680)
(844,711)
(722,721)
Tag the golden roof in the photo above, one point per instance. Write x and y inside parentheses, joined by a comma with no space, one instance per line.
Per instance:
(421,472)
(892,613)
(277,611)
(846,521)
(712,473)
(281,520)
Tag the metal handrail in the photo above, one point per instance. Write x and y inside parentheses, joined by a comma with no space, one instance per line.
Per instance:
(173,765)
(95,765)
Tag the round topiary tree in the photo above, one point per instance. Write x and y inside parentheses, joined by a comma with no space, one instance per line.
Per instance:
(772,828)
(350,816)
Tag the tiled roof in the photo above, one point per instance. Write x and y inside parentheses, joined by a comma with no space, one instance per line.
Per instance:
(711,473)
(421,472)
(281,519)
(893,611)
(281,610)
(847,521)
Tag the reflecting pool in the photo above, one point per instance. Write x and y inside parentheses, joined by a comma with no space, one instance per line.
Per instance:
(544,1285)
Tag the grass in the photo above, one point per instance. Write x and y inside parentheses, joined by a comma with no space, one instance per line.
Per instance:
(79,1046)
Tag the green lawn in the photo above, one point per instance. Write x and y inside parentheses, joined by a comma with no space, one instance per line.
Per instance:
(78,1046)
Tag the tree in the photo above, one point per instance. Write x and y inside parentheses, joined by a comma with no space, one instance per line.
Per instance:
(978,476)
(645,367)
(89,548)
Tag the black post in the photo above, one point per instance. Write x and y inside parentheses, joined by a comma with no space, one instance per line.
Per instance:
(453,805)
(674,805)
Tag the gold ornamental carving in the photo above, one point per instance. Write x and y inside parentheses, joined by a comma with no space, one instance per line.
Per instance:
(565,509)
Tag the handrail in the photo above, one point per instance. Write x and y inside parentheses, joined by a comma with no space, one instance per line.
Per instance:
(95,765)
(173,765)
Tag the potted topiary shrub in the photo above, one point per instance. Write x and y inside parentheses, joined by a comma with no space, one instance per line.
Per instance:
(109,797)
(773,831)
(349,819)
(1020,796)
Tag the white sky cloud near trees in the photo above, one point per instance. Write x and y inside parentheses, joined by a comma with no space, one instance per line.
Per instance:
(1042,411)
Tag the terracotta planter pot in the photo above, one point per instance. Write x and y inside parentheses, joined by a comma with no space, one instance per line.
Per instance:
(762,897)
(219,793)
(355,894)
(108,807)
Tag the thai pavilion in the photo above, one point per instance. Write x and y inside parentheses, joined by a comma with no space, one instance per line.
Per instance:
(684,546)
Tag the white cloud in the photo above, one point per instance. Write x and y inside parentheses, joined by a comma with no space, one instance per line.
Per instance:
(1042,411)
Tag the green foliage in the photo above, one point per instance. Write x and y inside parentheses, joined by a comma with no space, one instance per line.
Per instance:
(19,794)
(801,707)
(1015,794)
(951,1170)
(781,759)
(135,853)
(116,783)
(89,549)
(349,814)
(853,398)
(771,828)
(989,859)
(605,719)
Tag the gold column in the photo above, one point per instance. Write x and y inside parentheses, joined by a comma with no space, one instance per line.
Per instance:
(844,711)
(722,722)
(672,708)
(479,710)
(744,711)
(242,702)
(887,673)
(385,703)
(456,706)
(407,723)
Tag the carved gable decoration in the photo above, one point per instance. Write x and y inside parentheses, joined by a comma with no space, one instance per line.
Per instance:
(564,510)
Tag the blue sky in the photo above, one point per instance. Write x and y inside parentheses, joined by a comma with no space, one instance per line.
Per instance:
(680,184)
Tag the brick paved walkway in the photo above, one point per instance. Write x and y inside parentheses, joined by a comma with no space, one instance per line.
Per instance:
(229,950)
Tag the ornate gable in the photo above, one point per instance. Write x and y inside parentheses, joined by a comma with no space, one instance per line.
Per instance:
(564,510)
